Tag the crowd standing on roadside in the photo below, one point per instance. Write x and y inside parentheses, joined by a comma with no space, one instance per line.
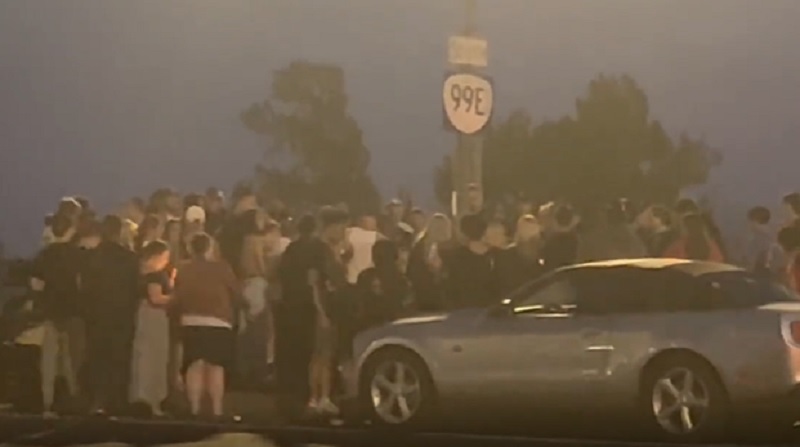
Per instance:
(180,295)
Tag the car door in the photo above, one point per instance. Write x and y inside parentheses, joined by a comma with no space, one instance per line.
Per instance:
(543,350)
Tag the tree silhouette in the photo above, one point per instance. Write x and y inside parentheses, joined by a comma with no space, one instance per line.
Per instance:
(609,148)
(316,153)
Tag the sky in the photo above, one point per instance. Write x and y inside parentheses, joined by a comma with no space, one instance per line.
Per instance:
(111,98)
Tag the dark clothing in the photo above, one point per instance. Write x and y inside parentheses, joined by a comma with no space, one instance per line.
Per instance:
(657,243)
(109,284)
(295,315)
(214,222)
(109,289)
(214,345)
(427,285)
(560,249)
(515,269)
(472,278)
(160,278)
(231,240)
(381,295)
(57,266)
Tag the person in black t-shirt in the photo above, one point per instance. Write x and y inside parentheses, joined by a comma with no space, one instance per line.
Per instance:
(109,283)
(55,278)
(561,246)
(295,319)
(472,278)
(382,289)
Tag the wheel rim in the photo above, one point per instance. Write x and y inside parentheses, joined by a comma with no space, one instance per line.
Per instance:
(681,401)
(396,392)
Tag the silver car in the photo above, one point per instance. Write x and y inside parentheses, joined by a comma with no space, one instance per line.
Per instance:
(684,345)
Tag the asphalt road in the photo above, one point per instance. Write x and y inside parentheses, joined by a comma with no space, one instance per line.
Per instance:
(29,431)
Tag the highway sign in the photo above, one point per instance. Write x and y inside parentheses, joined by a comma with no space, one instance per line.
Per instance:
(467,101)
(465,50)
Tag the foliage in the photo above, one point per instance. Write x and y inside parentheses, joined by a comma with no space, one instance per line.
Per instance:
(610,148)
(316,153)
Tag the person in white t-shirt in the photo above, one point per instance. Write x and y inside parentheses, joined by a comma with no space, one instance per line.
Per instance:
(361,238)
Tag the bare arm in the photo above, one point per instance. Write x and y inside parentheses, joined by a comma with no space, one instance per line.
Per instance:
(314,283)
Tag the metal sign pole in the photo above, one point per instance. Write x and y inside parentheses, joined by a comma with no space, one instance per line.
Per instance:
(466,56)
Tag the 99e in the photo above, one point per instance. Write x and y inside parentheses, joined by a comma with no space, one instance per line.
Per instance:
(471,98)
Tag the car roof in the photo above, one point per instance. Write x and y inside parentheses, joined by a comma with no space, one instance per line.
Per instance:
(690,267)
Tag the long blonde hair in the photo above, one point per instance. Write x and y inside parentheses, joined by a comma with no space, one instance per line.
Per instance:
(438,230)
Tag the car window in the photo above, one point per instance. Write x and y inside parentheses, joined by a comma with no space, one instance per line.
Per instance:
(728,290)
(556,295)
(634,290)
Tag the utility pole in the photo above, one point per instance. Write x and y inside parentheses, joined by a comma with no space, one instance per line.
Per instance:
(468,103)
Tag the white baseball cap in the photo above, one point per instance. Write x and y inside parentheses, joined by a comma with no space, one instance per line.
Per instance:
(195,214)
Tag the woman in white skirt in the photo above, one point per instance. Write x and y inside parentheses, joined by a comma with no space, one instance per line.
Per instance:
(149,375)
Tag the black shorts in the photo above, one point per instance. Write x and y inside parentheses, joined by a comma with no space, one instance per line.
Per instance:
(214,345)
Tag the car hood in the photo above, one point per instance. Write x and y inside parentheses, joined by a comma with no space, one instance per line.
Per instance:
(425,324)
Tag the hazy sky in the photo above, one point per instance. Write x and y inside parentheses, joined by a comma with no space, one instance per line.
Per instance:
(111,98)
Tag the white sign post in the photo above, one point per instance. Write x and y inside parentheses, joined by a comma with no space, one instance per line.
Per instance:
(467,100)
(466,50)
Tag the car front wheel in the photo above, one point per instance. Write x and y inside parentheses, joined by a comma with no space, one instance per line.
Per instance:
(396,390)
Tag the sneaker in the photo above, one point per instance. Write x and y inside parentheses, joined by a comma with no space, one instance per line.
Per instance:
(328,407)
(313,406)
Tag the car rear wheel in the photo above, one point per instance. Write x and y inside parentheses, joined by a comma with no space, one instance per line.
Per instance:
(684,400)
(397,390)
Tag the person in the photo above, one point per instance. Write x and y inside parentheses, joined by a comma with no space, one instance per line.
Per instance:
(150,230)
(205,293)
(362,238)
(383,289)
(418,220)
(789,241)
(426,261)
(561,245)
(394,212)
(69,208)
(521,261)
(109,274)
(328,290)
(173,235)
(472,279)
(296,315)
(759,247)
(149,376)
(215,210)
(611,239)
(55,278)
(791,205)
(497,234)
(658,232)
(694,242)
(256,323)
(232,233)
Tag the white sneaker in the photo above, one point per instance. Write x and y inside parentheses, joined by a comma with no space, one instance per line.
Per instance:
(328,407)
(313,406)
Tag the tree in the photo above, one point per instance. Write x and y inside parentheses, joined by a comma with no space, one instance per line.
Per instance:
(610,148)
(316,153)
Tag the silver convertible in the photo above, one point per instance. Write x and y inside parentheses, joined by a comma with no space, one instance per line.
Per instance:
(685,346)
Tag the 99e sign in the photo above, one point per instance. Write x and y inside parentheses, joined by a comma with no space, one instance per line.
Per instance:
(467,100)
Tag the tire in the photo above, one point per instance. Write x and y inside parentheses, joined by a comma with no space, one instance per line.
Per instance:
(681,388)
(381,373)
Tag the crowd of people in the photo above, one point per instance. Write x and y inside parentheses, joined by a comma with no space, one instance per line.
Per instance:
(180,294)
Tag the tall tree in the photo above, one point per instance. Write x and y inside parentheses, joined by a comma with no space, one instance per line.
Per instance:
(316,153)
(609,148)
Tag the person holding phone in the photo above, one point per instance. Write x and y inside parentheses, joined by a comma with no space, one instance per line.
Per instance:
(149,377)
